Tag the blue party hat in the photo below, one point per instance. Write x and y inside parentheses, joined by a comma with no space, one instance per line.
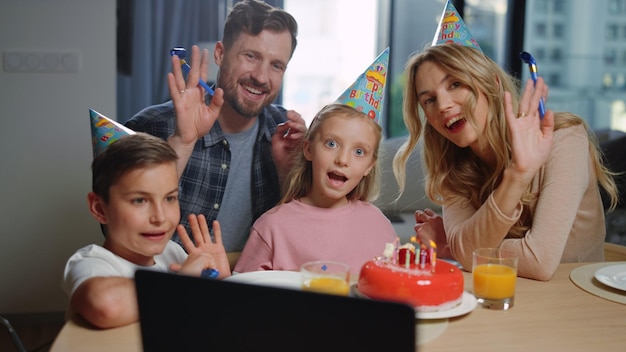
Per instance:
(452,29)
(105,131)
(367,93)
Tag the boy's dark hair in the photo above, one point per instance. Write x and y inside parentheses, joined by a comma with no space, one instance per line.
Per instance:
(252,17)
(127,154)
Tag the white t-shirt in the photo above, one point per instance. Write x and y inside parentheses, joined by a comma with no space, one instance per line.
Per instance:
(94,260)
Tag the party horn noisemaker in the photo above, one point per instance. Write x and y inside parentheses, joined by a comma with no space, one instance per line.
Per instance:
(182,54)
(532,66)
(210,273)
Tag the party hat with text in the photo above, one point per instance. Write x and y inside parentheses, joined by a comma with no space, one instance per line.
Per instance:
(452,29)
(367,93)
(105,131)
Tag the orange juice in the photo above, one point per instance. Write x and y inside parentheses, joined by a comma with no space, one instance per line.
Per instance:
(331,285)
(494,281)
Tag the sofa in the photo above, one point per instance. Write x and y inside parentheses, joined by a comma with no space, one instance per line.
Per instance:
(401,211)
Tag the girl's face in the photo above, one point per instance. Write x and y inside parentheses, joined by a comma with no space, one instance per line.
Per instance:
(141,214)
(442,98)
(341,154)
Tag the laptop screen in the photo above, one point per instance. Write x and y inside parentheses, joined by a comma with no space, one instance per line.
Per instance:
(182,313)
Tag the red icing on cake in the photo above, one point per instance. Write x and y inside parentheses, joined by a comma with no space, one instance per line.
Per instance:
(424,289)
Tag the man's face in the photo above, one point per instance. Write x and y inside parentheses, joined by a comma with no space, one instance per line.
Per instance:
(251,71)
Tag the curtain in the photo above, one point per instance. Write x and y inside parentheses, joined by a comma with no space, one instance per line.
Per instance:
(156,26)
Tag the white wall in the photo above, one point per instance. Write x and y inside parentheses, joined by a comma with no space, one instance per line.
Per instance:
(45,144)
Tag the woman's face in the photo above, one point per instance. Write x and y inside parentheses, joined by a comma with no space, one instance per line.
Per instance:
(442,98)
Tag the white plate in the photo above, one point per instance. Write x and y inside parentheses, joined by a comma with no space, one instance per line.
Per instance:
(276,278)
(292,280)
(468,303)
(613,276)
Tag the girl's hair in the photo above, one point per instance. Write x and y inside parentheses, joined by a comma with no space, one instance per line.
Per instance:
(453,172)
(300,179)
(129,153)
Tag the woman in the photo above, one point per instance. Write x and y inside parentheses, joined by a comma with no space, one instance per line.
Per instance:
(505,177)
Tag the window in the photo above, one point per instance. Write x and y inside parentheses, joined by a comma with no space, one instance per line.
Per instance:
(583,61)
(585,73)
(620,81)
(559,6)
(540,54)
(541,30)
(556,55)
(554,80)
(612,32)
(558,31)
(541,6)
(617,7)
(607,81)
(336,43)
(609,56)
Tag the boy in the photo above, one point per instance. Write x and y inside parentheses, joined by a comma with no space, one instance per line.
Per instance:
(135,198)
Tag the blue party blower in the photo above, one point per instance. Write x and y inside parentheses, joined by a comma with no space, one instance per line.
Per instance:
(532,66)
(182,54)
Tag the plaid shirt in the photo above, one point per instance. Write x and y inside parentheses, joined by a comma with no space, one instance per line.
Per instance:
(203,181)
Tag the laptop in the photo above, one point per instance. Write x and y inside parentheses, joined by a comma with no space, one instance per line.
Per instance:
(183,313)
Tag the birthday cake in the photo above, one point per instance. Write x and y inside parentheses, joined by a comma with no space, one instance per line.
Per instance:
(413,275)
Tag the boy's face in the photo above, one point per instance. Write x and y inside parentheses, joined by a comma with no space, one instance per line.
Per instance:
(142,212)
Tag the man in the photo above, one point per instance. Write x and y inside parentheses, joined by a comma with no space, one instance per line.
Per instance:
(234,149)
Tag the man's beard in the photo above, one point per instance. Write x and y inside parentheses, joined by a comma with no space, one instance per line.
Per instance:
(231,97)
(241,109)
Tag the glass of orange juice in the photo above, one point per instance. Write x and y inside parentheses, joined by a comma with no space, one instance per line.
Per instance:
(325,276)
(494,272)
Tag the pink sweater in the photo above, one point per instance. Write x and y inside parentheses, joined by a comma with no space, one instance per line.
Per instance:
(567,218)
(293,233)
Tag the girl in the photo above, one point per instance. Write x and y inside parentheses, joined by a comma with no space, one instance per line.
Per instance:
(325,211)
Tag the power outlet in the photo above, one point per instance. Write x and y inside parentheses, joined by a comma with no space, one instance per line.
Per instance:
(41,61)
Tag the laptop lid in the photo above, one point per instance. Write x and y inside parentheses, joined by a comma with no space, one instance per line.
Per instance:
(182,313)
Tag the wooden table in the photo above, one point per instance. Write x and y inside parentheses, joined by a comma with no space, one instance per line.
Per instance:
(79,335)
(547,316)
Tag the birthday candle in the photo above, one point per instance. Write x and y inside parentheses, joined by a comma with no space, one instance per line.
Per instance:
(423,255)
(395,252)
(405,254)
(407,259)
(415,242)
(389,251)
(433,255)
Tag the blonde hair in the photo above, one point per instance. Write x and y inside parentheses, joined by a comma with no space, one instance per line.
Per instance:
(300,179)
(453,172)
